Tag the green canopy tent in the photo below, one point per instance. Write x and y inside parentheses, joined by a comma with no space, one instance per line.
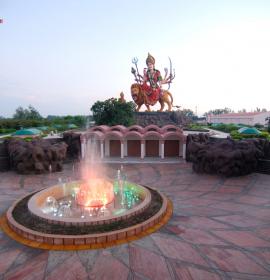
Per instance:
(43,128)
(71,126)
(27,132)
(249,130)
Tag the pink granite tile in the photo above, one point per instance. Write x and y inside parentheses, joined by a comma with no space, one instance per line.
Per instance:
(234,207)
(174,249)
(202,187)
(253,200)
(198,236)
(201,222)
(7,197)
(264,232)
(7,258)
(175,189)
(265,256)
(203,211)
(239,220)
(242,238)
(192,273)
(70,269)
(198,202)
(149,264)
(262,214)
(262,192)
(233,261)
(239,181)
(175,229)
(187,194)
(108,267)
(230,189)
(219,196)
(33,182)
(32,269)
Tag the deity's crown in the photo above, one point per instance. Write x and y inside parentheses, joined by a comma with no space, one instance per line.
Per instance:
(150,59)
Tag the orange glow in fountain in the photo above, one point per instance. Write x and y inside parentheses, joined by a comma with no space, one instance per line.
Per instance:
(95,193)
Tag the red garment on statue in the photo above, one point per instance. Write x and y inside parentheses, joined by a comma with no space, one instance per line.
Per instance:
(153,90)
(152,94)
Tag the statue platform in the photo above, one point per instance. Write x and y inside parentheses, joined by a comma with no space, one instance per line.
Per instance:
(161,118)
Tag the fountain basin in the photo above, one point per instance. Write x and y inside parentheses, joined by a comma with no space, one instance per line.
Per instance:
(85,215)
(40,232)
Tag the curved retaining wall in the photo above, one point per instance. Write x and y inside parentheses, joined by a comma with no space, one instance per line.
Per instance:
(86,239)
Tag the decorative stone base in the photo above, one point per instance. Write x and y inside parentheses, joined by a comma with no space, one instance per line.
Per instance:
(87,241)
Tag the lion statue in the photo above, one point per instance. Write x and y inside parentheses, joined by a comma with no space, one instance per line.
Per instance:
(139,96)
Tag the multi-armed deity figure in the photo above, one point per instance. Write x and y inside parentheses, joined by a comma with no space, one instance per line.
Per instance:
(148,88)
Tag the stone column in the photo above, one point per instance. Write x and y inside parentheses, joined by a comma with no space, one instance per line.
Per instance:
(184,150)
(122,148)
(142,149)
(107,147)
(83,147)
(162,148)
(101,149)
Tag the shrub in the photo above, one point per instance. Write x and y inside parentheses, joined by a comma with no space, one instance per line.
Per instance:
(113,112)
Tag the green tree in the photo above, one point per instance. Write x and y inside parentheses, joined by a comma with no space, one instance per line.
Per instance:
(20,113)
(113,112)
(219,111)
(268,123)
(27,114)
(189,113)
(33,113)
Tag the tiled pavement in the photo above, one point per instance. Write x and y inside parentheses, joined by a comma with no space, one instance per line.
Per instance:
(220,229)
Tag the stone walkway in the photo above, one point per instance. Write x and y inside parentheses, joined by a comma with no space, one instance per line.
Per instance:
(220,230)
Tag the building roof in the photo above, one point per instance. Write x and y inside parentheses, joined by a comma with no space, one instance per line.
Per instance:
(235,115)
(123,133)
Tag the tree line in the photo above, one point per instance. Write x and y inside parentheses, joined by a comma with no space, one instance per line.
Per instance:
(30,117)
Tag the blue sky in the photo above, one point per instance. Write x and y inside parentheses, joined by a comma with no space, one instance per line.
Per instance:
(62,56)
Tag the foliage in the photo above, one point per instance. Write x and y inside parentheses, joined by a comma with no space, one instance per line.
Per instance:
(63,123)
(27,114)
(113,112)
(258,126)
(219,111)
(7,130)
(18,124)
(189,113)
(268,123)
(197,127)
(263,110)
(225,127)
(78,120)
(238,136)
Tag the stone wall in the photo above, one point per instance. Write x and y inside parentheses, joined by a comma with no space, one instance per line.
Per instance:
(37,156)
(160,118)
(73,142)
(4,158)
(225,157)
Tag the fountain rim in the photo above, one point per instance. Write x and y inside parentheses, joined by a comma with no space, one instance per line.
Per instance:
(33,208)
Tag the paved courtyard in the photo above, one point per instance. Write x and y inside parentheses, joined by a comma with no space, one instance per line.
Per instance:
(220,229)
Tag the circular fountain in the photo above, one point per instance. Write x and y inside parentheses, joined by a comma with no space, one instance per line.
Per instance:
(87,213)
(70,215)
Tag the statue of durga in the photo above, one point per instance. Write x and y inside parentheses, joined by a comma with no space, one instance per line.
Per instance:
(148,88)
